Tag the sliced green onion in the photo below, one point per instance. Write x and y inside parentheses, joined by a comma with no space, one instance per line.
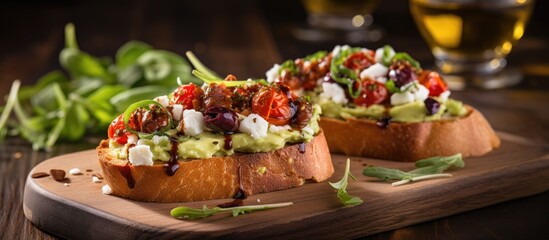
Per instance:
(200,67)
(146,104)
(404,56)
(208,80)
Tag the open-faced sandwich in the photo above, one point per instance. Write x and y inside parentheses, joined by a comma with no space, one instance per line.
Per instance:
(382,104)
(225,139)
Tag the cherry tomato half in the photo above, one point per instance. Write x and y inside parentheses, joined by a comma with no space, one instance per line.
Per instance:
(272,104)
(372,93)
(359,61)
(432,81)
(184,95)
(117,131)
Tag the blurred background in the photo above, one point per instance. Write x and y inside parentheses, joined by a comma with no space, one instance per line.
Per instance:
(243,37)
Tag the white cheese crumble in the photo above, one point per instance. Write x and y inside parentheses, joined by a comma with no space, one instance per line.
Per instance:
(141,155)
(177,112)
(444,96)
(164,100)
(254,125)
(75,171)
(193,122)
(308,131)
(332,91)
(375,71)
(402,98)
(106,189)
(274,128)
(132,139)
(95,179)
(421,93)
(272,74)
(379,54)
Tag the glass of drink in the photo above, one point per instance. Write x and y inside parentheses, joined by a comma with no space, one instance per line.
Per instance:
(473,37)
(339,20)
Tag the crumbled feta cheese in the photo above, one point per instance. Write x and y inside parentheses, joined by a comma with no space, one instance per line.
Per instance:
(95,179)
(157,139)
(374,71)
(75,171)
(106,189)
(420,93)
(274,128)
(272,74)
(163,100)
(308,131)
(254,125)
(379,54)
(193,122)
(177,112)
(332,91)
(381,80)
(141,155)
(132,139)
(444,96)
(336,50)
(401,98)
(299,92)
(409,87)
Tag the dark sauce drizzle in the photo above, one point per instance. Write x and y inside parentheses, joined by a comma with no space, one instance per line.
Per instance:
(172,165)
(383,122)
(301,147)
(228,141)
(126,172)
(240,193)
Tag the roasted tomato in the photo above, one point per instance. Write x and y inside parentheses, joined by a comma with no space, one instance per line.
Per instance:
(117,131)
(188,95)
(432,81)
(372,93)
(359,61)
(273,104)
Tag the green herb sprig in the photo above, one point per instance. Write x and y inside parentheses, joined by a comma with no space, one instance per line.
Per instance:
(425,169)
(341,187)
(89,92)
(204,212)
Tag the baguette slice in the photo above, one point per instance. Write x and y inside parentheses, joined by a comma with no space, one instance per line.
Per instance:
(470,135)
(220,177)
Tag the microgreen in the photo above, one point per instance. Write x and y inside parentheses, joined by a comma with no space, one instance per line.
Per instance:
(341,187)
(425,169)
(204,212)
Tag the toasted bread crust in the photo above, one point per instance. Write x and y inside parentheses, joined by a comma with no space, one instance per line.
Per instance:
(220,177)
(470,135)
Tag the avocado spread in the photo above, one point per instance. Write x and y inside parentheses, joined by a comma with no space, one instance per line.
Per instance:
(409,112)
(209,144)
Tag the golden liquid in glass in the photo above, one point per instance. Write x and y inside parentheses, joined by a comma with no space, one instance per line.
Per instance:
(471,30)
(340,7)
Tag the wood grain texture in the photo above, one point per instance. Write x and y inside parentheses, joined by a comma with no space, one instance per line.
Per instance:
(519,168)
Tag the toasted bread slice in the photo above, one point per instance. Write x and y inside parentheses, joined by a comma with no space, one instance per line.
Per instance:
(470,135)
(219,177)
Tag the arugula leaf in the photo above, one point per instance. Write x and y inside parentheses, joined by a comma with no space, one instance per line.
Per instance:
(128,53)
(425,169)
(204,212)
(341,187)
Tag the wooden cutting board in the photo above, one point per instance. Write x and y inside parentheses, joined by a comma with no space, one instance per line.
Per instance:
(78,210)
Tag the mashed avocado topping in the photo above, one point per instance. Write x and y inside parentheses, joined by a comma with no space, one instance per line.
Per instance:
(409,112)
(208,144)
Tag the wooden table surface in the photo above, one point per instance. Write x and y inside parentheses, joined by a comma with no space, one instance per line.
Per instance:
(245,38)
